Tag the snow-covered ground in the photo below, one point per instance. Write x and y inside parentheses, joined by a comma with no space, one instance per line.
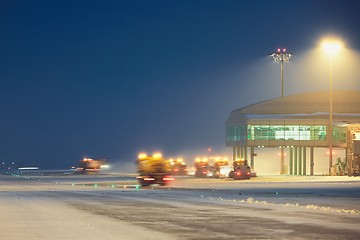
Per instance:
(112,207)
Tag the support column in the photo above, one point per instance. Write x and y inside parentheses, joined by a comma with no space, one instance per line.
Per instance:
(291,161)
(252,158)
(295,160)
(234,153)
(246,154)
(304,160)
(300,161)
(238,152)
(282,161)
(311,161)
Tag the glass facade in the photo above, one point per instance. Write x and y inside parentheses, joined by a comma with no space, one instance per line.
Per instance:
(339,134)
(283,132)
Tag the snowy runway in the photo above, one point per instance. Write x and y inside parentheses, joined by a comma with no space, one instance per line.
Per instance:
(39,208)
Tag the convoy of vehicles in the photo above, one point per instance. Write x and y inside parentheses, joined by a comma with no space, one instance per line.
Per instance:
(155,169)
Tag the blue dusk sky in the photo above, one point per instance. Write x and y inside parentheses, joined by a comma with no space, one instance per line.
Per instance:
(107,79)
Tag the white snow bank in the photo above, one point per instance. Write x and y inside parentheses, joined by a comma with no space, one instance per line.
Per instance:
(296,205)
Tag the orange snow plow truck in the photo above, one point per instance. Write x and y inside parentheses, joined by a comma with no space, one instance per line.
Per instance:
(153,170)
(88,165)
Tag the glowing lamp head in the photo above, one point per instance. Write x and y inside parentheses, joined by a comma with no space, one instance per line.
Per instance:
(157,155)
(142,155)
(331,48)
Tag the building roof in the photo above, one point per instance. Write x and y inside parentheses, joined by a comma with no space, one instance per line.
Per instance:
(344,102)
(314,105)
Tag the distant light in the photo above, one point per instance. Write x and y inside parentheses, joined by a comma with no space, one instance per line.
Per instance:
(105,166)
(328,153)
(28,168)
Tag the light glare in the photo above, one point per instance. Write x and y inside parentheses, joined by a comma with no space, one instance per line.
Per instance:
(331,48)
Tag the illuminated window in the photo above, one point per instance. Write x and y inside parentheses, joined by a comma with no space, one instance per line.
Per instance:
(284,132)
(236,133)
(339,134)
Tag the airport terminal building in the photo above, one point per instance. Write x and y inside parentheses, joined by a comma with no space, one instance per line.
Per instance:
(298,122)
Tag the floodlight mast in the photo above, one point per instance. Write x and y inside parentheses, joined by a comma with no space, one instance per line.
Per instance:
(281,56)
(331,47)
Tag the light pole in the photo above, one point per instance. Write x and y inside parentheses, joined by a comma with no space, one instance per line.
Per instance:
(331,47)
(281,57)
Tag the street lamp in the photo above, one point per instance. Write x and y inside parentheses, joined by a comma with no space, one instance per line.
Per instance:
(331,48)
(281,57)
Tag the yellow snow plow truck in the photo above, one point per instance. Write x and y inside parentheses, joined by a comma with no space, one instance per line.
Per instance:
(153,170)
